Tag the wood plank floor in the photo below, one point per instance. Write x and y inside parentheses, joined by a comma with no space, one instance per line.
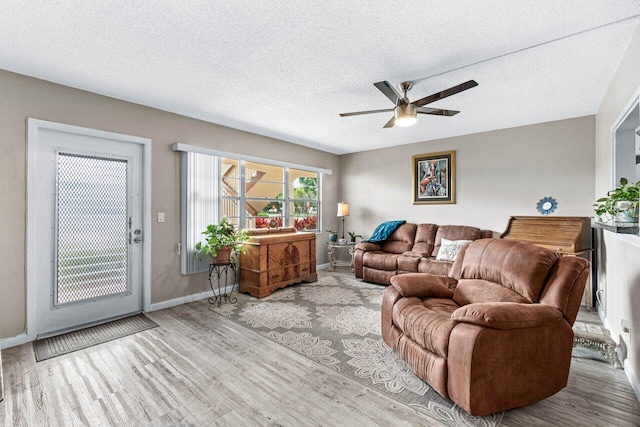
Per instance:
(199,368)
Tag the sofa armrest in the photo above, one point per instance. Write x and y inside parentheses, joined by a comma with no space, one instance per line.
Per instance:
(423,285)
(368,247)
(507,315)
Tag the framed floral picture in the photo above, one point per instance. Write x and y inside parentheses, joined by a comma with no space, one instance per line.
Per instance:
(434,178)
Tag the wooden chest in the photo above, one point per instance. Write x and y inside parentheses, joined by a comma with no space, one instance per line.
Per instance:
(275,260)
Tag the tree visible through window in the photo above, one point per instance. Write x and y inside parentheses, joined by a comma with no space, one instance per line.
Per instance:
(268,194)
(303,195)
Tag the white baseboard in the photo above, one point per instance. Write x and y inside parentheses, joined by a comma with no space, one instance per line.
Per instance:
(189,298)
(633,378)
(607,325)
(631,375)
(323,266)
(14,341)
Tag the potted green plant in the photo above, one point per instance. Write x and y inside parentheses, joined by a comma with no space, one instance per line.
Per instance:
(354,236)
(223,241)
(620,204)
(333,235)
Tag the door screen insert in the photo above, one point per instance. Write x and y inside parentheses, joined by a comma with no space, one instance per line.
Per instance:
(92,228)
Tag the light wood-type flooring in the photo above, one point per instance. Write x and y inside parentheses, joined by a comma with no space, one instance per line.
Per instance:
(199,368)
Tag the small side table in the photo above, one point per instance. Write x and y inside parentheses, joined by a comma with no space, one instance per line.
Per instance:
(222,270)
(331,249)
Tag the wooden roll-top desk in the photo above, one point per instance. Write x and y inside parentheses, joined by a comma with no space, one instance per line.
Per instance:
(566,235)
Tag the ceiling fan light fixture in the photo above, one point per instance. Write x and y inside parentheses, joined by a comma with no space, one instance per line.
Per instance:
(406,115)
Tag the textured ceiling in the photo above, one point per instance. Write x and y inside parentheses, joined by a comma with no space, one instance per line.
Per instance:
(286,69)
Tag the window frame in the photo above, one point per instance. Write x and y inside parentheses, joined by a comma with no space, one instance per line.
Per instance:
(286,200)
(187,264)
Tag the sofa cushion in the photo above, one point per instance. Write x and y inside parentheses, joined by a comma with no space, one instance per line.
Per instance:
(380,261)
(455,232)
(425,239)
(517,266)
(400,240)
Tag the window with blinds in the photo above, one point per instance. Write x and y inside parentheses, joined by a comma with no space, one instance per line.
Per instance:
(250,194)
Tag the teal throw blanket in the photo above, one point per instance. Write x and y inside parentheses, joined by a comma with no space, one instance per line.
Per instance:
(384,230)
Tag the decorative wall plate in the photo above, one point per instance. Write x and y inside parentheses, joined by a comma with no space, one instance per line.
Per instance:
(273,223)
(547,205)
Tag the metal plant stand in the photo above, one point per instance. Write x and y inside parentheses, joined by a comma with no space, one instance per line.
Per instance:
(221,270)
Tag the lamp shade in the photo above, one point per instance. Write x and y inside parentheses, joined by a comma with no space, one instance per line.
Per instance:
(343,209)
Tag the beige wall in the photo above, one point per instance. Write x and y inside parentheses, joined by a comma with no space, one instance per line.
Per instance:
(22,97)
(499,174)
(620,256)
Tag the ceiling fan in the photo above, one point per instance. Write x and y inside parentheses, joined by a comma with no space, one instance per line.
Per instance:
(405,113)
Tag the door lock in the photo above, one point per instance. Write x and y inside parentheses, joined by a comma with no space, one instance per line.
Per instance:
(138,234)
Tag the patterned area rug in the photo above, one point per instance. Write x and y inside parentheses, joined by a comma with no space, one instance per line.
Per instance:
(336,322)
(73,341)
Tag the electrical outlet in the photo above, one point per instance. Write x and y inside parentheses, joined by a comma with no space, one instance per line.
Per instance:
(626,325)
(160,216)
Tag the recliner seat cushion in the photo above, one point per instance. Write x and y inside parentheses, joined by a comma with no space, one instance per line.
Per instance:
(428,324)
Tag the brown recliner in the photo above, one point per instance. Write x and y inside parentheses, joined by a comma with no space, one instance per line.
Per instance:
(497,333)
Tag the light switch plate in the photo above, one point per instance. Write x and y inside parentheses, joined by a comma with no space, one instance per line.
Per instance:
(160,216)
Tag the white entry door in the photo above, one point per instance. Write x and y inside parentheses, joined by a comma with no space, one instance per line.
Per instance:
(88,259)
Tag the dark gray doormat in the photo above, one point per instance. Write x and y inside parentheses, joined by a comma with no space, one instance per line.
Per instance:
(47,348)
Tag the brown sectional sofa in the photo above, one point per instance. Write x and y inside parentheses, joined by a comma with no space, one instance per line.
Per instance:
(496,334)
(412,248)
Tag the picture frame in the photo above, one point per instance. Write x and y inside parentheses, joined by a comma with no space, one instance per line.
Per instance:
(434,178)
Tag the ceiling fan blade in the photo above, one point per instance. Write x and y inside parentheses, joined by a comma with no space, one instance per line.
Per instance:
(358,113)
(388,90)
(445,93)
(390,123)
(437,111)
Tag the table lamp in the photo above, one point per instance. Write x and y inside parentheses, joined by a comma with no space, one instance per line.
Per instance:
(343,210)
